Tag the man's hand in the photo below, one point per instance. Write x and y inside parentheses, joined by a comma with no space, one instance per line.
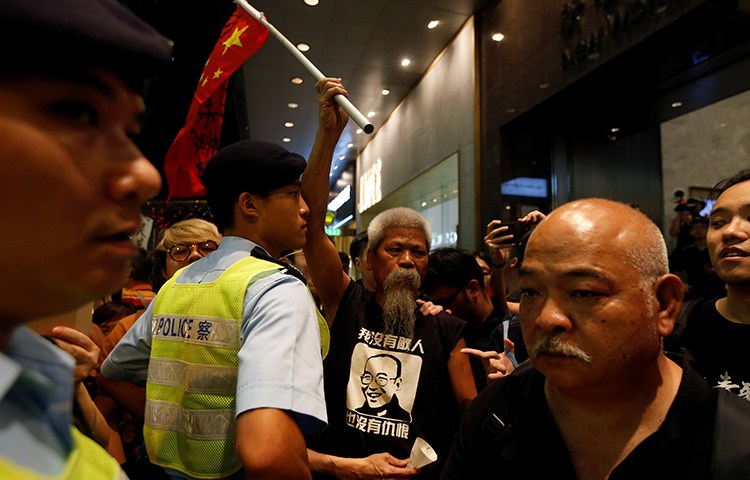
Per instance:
(496,365)
(380,466)
(498,242)
(81,347)
(428,308)
(332,118)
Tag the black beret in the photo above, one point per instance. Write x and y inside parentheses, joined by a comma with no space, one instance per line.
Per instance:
(88,32)
(251,166)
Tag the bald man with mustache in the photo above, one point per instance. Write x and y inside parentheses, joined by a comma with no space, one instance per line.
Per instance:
(599,398)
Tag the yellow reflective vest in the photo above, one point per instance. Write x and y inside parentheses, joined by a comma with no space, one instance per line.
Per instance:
(190,418)
(87,460)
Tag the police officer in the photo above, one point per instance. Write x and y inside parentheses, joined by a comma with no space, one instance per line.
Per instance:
(231,343)
(71,186)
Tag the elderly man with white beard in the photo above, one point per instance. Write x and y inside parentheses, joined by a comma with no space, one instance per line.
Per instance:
(426,372)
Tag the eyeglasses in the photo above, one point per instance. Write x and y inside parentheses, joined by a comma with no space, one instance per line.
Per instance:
(180,252)
(381,379)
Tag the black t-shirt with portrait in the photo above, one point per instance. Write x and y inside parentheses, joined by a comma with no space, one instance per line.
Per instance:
(421,403)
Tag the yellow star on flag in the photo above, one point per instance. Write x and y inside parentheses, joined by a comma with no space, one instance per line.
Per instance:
(234,39)
(218,73)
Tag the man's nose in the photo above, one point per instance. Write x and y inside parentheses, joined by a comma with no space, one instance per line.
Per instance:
(552,318)
(406,259)
(195,254)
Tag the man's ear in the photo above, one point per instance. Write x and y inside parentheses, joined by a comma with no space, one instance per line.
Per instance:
(370,259)
(247,204)
(669,293)
(473,288)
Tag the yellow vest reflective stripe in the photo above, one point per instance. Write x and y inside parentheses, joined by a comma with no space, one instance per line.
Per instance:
(192,375)
(87,460)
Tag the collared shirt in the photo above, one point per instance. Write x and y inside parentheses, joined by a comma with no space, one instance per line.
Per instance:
(280,360)
(36,402)
(682,447)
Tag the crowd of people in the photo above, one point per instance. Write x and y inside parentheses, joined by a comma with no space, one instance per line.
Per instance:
(250,352)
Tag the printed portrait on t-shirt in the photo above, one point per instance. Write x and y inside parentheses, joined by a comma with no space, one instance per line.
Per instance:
(382,385)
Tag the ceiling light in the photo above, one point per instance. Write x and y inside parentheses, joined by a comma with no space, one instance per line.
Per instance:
(359,130)
(286,139)
(297,80)
(342,157)
(335,167)
(614,129)
(303,47)
(289,124)
(542,86)
(370,114)
(498,37)
(330,175)
(349,145)
(405,62)
(424,204)
(312,3)
(433,24)
(676,104)
(385,91)
(510,110)
(292,105)
(434,200)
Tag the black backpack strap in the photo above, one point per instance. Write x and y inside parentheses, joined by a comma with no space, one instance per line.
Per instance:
(504,412)
(731,455)
(289,269)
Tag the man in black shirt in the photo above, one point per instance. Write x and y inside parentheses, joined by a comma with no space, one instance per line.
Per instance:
(599,399)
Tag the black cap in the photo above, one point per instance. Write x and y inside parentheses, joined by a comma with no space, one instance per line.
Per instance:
(252,166)
(81,32)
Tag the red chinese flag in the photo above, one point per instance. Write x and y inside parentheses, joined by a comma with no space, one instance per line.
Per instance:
(198,140)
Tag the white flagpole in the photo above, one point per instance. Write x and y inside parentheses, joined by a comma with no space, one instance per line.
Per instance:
(354,114)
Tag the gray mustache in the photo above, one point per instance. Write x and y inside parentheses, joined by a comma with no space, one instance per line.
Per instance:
(551,345)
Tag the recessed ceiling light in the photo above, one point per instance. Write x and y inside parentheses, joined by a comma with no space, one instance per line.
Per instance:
(676,104)
(341,157)
(330,175)
(434,200)
(542,86)
(370,114)
(286,139)
(510,110)
(349,145)
(297,80)
(614,129)
(289,124)
(424,204)
(335,167)
(312,3)
(303,47)
(433,24)
(498,37)
(358,131)
(385,91)
(292,105)
(405,62)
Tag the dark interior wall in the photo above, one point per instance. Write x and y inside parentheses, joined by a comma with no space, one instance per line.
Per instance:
(628,171)
(532,92)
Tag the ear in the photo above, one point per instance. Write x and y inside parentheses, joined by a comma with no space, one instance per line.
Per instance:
(669,293)
(513,262)
(370,259)
(473,288)
(247,204)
